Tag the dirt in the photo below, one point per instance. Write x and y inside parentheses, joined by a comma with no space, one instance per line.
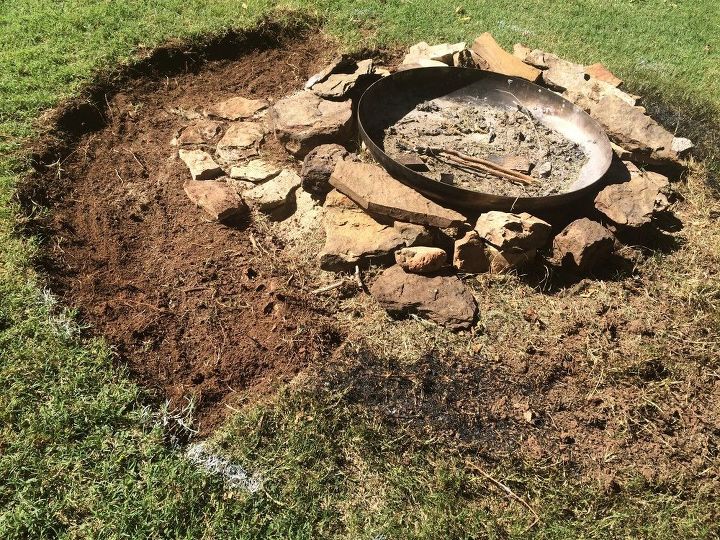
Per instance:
(589,374)
(511,138)
(193,308)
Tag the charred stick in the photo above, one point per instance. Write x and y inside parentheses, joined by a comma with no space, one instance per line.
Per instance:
(488,170)
(488,164)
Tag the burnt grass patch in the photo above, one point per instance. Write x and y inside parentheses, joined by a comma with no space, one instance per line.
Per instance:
(613,376)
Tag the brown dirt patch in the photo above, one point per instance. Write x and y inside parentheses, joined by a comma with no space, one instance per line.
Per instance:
(192,307)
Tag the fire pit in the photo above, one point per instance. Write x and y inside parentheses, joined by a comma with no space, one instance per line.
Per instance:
(393,100)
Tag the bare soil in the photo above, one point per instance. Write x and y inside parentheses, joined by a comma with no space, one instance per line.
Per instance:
(192,307)
(602,375)
(502,136)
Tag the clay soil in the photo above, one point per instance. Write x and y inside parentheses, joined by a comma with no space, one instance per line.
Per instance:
(193,308)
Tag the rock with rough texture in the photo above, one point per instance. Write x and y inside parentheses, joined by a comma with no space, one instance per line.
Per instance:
(241,141)
(200,131)
(632,129)
(444,300)
(256,170)
(513,232)
(599,71)
(470,255)
(201,164)
(317,167)
(495,58)
(583,245)
(274,193)
(304,120)
(421,259)
(371,187)
(217,198)
(354,237)
(237,108)
(442,53)
(634,203)
(502,261)
(423,62)
(339,85)
(340,64)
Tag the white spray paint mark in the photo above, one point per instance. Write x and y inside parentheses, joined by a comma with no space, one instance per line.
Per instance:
(234,475)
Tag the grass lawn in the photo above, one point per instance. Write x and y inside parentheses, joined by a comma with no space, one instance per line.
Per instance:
(81,456)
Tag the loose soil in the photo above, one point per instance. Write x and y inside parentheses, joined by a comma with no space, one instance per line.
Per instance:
(192,307)
(511,138)
(604,376)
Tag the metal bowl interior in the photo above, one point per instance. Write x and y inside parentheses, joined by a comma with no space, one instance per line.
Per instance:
(392,97)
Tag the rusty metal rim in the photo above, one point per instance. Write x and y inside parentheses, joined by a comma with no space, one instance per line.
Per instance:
(375,112)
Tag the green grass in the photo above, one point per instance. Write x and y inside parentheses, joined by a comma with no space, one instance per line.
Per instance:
(81,457)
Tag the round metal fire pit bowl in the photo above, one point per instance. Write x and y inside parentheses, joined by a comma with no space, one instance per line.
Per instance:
(392,97)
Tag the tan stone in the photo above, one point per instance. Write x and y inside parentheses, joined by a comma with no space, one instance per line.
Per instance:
(200,131)
(339,85)
(470,255)
(501,61)
(237,108)
(201,164)
(274,193)
(219,200)
(304,120)
(634,203)
(632,129)
(372,188)
(354,237)
(241,141)
(443,53)
(256,170)
(503,261)
(513,232)
(421,259)
(444,300)
(599,71)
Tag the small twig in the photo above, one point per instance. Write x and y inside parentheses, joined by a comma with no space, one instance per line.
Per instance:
(509,492)
(144,168)
(328,287)
(489,166)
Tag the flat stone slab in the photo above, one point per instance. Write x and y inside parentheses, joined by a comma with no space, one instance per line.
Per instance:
(200,131)
(304,120)
(495,58)
(241,141)
(237,108)
(354,237)
(201,164)
(372,188)
(634,203)
(218,199)
(438,54)
(339,85)
(256,170)
(274,193)
(445,300)
(632,129)
(584,244)
(421,259)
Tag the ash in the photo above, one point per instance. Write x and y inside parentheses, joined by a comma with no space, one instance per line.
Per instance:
(513,139)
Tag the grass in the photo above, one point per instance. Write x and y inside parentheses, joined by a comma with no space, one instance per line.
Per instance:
(82,457)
